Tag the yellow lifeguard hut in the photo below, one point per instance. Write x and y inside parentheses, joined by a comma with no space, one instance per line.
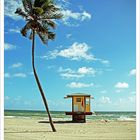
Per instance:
(80,106)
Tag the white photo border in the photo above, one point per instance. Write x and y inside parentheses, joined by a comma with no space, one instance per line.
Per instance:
(2,70)
(137,69)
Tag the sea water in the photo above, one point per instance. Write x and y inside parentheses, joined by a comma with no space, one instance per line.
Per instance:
(60,115)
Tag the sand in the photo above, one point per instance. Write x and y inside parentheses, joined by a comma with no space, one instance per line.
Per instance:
(31,129)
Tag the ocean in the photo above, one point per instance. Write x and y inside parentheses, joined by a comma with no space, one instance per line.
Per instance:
(60,115)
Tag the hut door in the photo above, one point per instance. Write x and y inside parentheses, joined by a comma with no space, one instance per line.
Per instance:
(80,102)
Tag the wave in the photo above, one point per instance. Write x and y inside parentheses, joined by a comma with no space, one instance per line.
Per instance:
(126,118)
(10,117)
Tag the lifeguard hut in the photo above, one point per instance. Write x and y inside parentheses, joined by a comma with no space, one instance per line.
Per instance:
(80,106)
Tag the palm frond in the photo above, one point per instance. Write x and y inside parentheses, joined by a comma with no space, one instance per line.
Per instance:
(39,3)
(50,7)
(38,10)
(21,13)
(51,35)
(49,23)
(57,16)
(31,35)
(25,29)
(40,28)
(43,37)
(52,16)
(27,4)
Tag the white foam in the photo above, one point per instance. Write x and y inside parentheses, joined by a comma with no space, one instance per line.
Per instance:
(125,118)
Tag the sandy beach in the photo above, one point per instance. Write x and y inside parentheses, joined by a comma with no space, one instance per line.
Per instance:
(35,129)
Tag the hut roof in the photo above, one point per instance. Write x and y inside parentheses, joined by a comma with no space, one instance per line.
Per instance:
(78,94)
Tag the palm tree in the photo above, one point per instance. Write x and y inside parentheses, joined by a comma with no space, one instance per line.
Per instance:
(39,16)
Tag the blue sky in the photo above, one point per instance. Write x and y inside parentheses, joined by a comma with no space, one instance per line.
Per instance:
(94,53)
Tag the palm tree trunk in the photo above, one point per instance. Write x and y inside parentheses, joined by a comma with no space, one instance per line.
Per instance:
(39,85)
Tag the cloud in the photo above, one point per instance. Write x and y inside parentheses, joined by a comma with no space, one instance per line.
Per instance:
(16,30)
(30,73)
(69,75)
(79,85)
(6,98)
(124,101)
(103,61)
(68,35)
(103,91)
(18,75)
(18,98)
(118,91)
(7,75)
(122,85)
(132,72)
(87,70)
(8,46)
(71,18)
(80,72)
(104,100)
(68,14)
(133,92)
(16,65)
(10,8)
(76,51)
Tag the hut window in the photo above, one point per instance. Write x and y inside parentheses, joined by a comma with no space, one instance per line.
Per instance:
(87,101)
(78,99)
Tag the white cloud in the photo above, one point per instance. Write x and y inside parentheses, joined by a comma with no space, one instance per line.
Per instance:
(20,75)
(80,72)
(66,70)
(132,72)
(76,51)
(69,75)
(86,70)
(8,46)
(51,67)
(104,100)
(68,35)
(105,62)
(122,85)
(75,16)
(133,92)
(17,99)
(118,91)
(30,73)
(124,101)
(79,85)
(6,98)
(16,65)
(132,99)
(103,91)
(68,14)
(7,75)
(10,8)
(17,30)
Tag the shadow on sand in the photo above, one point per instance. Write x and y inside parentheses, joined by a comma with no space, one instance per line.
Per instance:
(27,131)
(57,122)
